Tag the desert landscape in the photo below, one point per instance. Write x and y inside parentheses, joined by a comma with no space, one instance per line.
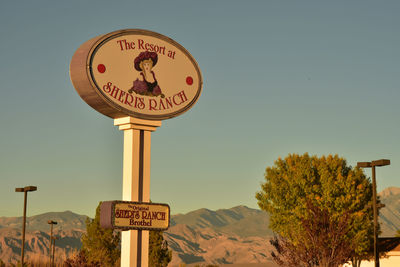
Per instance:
(234,237)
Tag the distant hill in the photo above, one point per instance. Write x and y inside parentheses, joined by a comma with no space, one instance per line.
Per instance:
(69,230)
(226,236)
(66,220)
(389,217)
(206,246)
(37,244)
(241,221)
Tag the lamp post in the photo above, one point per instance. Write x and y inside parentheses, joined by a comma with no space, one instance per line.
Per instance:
(51,236)
(373,164)
(54,248)
(25,189)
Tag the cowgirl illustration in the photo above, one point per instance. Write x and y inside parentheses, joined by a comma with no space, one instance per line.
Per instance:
(147,83)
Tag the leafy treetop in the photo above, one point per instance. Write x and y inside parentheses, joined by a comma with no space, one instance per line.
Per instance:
(326,182)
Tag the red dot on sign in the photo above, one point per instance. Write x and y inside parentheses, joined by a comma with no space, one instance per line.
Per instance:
(101,68)
(189,80)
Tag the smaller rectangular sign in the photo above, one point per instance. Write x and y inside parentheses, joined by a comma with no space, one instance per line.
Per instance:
(127,215)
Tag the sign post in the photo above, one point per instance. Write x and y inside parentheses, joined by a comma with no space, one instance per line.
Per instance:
(138,78)
(136,184)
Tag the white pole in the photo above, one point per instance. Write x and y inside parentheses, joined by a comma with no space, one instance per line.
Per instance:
(136,184)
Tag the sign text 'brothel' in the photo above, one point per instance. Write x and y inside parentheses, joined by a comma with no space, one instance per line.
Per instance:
(125,215)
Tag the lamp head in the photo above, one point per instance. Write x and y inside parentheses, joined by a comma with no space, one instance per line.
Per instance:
(364,164)
(381,162)
(30,188)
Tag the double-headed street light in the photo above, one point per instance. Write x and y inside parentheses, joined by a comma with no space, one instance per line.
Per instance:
(25,189)
(51,222)
(373,164)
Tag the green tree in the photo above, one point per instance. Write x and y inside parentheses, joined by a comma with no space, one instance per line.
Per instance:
(327,183)
(323,241)
(159,255)
(100,245)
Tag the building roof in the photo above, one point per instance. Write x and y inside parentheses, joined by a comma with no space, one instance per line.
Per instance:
(387,244)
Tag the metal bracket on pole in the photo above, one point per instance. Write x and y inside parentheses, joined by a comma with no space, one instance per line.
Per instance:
(136,184)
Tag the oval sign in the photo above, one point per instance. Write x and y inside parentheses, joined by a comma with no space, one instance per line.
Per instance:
(136,73)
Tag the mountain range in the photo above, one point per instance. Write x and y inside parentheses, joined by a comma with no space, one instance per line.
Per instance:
(389,216)
(226,236)
(69,230)
(238,235)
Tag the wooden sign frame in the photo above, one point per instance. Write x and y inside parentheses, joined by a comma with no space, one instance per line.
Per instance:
(108,215)
(83,72)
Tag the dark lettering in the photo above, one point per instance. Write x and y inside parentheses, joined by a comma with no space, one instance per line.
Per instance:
(171,54)
(173,99)
(140,43)
(151,47)
(120,96)
(114,92)
(128,99)
(144,215)
(152,104)
(141,104)
(162,50)
(107,87)
(124,45)
(183,96)
(169,102)
(161,104)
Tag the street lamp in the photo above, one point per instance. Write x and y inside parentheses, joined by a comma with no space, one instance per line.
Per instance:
(373,164)
(54,248)
(51,235)
(25,189)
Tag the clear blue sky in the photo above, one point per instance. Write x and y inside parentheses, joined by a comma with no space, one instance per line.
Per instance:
(280,77)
